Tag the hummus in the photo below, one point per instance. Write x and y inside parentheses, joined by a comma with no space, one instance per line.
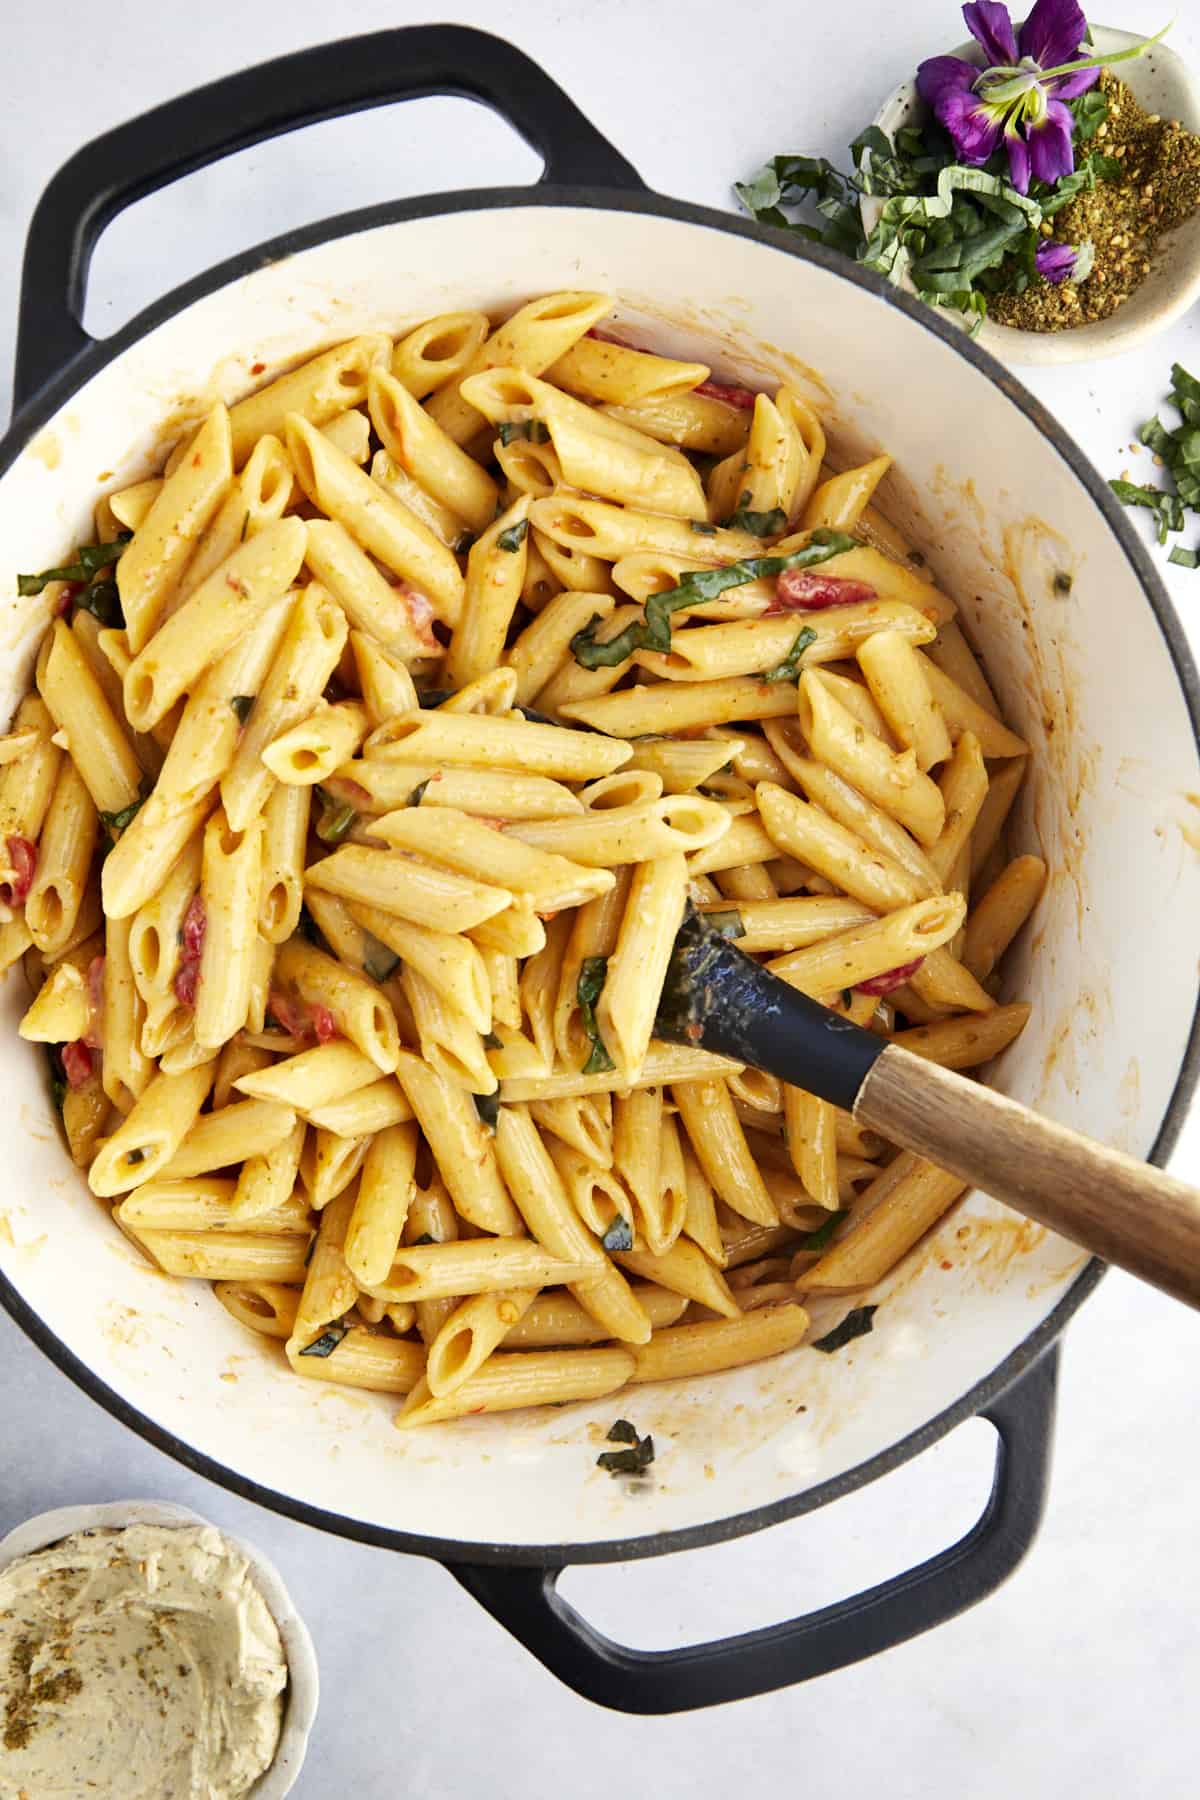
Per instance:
(141,1663)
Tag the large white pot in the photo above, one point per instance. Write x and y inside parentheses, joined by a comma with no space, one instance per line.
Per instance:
(1099,680)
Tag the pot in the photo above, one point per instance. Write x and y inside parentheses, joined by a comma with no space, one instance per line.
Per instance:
(1091,665)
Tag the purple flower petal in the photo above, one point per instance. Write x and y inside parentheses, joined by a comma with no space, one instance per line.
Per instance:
(944,74)
(973,130)
(1054,261)
(1053,32)
(989,24)
(1068,86)
(1018,160)
(1051,151)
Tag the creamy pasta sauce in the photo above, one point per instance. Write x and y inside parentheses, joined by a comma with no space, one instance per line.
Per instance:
(142,1663)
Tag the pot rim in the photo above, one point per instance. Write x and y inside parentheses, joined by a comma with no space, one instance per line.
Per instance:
(43,405)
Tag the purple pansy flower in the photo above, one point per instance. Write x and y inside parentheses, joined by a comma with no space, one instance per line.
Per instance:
(1020,96)
(1055,261)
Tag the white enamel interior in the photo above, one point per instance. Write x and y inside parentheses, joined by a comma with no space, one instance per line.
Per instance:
(1110,963)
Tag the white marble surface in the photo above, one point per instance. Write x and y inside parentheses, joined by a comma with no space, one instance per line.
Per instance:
(1081,1671)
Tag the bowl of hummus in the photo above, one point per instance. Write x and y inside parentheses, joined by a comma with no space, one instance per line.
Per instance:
(145,1654)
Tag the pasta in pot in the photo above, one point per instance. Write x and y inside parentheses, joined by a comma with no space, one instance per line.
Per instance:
(437,679)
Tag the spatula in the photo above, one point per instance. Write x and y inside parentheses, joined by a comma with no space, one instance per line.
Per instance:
(1133,1215)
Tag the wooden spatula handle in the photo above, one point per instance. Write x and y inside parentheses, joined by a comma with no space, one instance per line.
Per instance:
(1125,1211)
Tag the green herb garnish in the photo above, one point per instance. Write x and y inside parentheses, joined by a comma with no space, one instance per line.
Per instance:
(1179,452)
(702,528)
(488,1108)
(633,1461)
(619,1235)
(58,1075)
(727,920)
(588,988)
(379,962)
(418,793)
(1167,508)
(327,1343)
(335,823)
(243,706)
(758,524)
(818,1239)
(116,822)
(789,668)
(1183,558)
(653,631)
(89,559)
(622,1432)
(514,537)
(103,600)
(856,1324)
(531,429)
(1063,582)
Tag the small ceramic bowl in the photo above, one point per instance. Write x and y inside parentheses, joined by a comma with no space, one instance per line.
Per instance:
(1162,83)
(303,1687)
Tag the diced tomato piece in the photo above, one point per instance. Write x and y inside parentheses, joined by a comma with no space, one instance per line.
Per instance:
(22,854)
(93,1037)
(187,980)
(66,600)
(77,1063)
(741,397)
(195,924)
(291,1014)
(892,978)
(419,608)
(804,590)
(323,1024)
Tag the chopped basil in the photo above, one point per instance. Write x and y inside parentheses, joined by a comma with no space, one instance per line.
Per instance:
(103,600)
(1178,450)
(622,1432)
(488,1108)
(702,528)
(1063,582)
(818,1239)
(424,1238)
(243,706)
(335,823)
(379,962)
(619,1235)
(1167,508)
(727,920)
(758,524)
(58,1075)
(117,821)
(492,1042)
(633,1461)
(856,1324)
(327,1343)
(588,988)
(514,537)
(1183,558)
(89,558)
(653,631)
(789,668)
(418,793)
(531,429)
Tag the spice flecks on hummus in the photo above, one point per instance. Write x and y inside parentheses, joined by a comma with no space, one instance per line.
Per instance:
(142,1663)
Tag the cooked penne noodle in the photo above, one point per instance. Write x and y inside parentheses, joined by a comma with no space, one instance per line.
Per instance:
(684,1269)
(897,1209)
(60,1012)
(893,782)
(370,602)
(363,1359)
(285,837)
(691,421)
(896,678)
(607,837)
(233,1135)
(438,351)
(704,1349)
(636,969)
(465,844)
(963,783)
(942,981)
(311,750)
(265,1306)
(385,1193)
(482,1265)
(544,646)
(436,898)
(867,951)
(715,1134)
(471,741)
(145,1142)
(462,1147)
(999,914)
(838,503)
(962,713)
(65,849)
(597,370)
(534,337)
(964,1043)
(155,558)
(835,796)
(470,1334)
(386,685)
(319,389)
(812,1144)
(375,1107)
(801,829)
(533,1378)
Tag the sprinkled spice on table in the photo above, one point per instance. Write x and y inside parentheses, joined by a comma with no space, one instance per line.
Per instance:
(1123,218)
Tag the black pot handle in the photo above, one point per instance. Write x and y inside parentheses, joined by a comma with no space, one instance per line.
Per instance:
(526,1601)
(239,110)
